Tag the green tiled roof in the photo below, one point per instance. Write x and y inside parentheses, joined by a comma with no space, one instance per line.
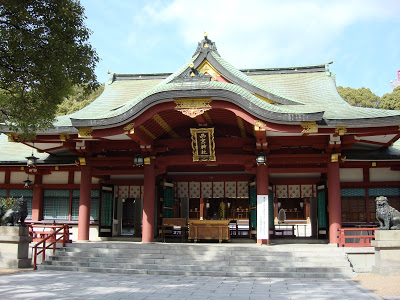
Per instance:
(240,75)
(199,86)
(16,152)
(307,88)
(115,95)
(317,90)
(311,90)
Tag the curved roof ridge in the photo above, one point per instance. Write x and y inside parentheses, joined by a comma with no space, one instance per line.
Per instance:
(177,89)
(243,77)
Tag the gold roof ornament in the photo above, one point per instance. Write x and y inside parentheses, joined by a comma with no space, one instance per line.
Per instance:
(207,68)
(206,39)
(309,127)
(192,107)
(81,161)
(259,126)
(85,133)
(341,130)
(335,157)
(129,129)
(64,137)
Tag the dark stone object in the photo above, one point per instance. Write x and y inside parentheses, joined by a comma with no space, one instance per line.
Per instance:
(15,214)
(388,217)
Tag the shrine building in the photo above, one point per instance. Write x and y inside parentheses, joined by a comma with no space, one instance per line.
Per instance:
(260,151)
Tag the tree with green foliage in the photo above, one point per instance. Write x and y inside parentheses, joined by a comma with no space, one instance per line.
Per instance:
(44,53)
(392,100)
(7,203)
(361,97)
(78,100)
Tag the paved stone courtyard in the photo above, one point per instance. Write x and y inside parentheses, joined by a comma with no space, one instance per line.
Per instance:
(75,285)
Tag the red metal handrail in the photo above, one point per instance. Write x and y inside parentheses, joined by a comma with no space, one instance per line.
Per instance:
(50,236)
(356,237)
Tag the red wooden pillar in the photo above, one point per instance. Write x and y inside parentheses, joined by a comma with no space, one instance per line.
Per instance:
(366,179)
(262,189)
(148,203)
(334,202)
(37,201)
(84,203)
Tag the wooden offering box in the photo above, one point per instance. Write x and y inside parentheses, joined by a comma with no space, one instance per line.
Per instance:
(209,230)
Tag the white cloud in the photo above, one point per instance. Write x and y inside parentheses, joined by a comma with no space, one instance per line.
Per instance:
(259,33)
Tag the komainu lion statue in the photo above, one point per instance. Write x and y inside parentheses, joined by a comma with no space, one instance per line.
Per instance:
(15,214)
(388,217)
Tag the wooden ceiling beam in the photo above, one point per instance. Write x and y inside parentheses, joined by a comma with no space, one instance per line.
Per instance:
(139,137)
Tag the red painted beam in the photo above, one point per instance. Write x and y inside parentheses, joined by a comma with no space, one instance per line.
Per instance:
(100,172)
(124,182)
(210,178)
(282,181)
(369,184)
(297,170)
(224,159)
(141,138)
(284,159)
(219,142)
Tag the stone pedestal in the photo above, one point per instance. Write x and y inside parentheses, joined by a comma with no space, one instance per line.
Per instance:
(387,252)
(14,247)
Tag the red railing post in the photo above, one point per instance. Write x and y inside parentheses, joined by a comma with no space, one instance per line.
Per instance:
(34,258)
(358,240)
(52,236)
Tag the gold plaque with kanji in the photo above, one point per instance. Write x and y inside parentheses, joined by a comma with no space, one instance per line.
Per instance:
(203,144)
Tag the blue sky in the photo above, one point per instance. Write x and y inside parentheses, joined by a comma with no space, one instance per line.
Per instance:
(361,36)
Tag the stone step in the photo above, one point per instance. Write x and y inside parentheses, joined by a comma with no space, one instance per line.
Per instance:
(209,252)
(200,247)
(232,261)
(199,273)
(204,256)
(204,267)
(202,259)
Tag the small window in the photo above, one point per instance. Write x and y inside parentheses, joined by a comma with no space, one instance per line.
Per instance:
(56,205)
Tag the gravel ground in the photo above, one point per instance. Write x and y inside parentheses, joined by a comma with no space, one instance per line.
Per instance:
(383,286)
(387,287)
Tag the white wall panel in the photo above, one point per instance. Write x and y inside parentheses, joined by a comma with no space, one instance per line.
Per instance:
(77,177)
(383,174)
(19,177)
(56,178)
(2,177)
(351,175)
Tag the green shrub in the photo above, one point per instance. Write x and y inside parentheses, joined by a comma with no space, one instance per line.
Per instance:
(7,203)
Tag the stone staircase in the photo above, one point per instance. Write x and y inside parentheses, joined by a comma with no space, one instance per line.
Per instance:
(238,260)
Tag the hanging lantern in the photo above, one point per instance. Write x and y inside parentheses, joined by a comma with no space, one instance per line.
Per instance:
(31,160)
(27,183)
(138,160)
(261,158)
